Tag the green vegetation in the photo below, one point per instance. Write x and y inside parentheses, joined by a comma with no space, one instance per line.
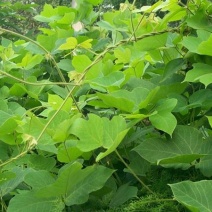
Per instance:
(113,117)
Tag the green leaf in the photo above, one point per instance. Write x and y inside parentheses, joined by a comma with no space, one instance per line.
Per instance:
(201,98)
(10,184)
(200,73)
(47,41)
(75,190)
(6,176)
(39,162)
(95,2)
(30,61)
(210,120)
(18,89)
(122,55)
(65,65)
(86,44)
(39,179)
(138,164)
(62,131)
(68,151)
(196,196)
(172,67)
(128,101)
(123,194)
(111,149)
(56,101)
(30,202)
(71,43)
(183,147)
(113,79)
(152,43)
(81,62)
(200,20)
(205,46)
(97,132)
(204,164)
(163,119)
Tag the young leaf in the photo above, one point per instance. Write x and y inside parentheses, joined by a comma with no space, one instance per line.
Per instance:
(30,61)
(122,55)
(81,62)
(71,43)
(55,101)
(86,44)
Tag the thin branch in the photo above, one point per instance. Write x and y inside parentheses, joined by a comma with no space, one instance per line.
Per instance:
(133,173)
(35,83)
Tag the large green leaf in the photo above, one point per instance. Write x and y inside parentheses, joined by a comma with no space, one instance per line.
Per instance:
(183,147)
(30,202)
(75,183)
(99,132)
(196,196)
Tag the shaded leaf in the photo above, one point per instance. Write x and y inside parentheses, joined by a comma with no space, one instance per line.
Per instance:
(29,202)
(39,179)
(123,194)
(183,147)
(75,190)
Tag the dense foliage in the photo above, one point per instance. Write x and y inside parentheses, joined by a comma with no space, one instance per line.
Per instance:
(113,117)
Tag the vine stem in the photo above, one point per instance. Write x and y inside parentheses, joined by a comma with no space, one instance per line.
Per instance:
(133,173)
(35,83)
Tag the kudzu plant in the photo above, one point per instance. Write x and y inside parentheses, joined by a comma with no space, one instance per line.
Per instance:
(86,115)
